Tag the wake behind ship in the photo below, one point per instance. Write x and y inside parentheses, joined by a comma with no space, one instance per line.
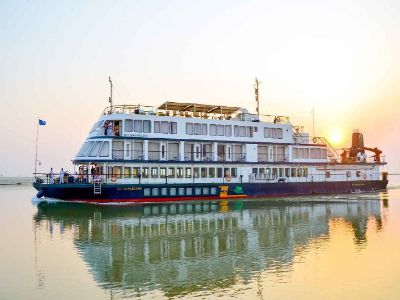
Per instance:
(188,151)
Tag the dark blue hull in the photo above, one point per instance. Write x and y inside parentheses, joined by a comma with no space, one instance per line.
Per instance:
(145,193)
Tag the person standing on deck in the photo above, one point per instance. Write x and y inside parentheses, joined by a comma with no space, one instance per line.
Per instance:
(51,176)
(62,175)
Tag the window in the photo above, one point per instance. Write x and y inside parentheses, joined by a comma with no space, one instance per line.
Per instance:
(328,174)
(146,126)
(228,130)
(146,191)
(254,171)
(220,130)
(203,172)
(305,172)
(213,130)
(154,172)
(197,128)
(233,172)
(189,191)
(179,172)
(189,128)
(172,191)
(227,172)
(206,190)
(154,191)
(213,191)
(171,172)
(164,192)
(188,172)
(145,172)
(300,172)
(287,172)
(197,191)
(95,149)
(172,127)
(249,131)
(85,148)
(281,172)
(128,125)
(204,129)
(236,130)
(219,172)
(164,127)
(136,171)
(279,133)
(181,191)
(163,172)
(211,172)
(294,173)
(138,126)
(196,173)
(242,131)
(127,172)
(105,149)
(157,127)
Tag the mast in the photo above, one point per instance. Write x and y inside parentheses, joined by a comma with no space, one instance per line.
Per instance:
(110,98)
(257,96)
(37,138)
(313,121)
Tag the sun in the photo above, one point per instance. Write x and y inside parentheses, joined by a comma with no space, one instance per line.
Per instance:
(335,137)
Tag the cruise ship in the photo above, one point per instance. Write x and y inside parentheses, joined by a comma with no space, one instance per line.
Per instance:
(191,151)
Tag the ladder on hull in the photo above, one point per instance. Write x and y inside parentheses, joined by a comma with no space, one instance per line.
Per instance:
(96,187)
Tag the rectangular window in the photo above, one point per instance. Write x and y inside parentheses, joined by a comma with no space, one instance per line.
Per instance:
(299,172)
(293,173)
(220,130)
(95,149)
(197,191)
(105,149)
(281,172)
(171,172)
(173,127)
(249,131)
(181,191)
(203,172)
(128,125)
(287,172)
(233,172)
(127,172)
(228,130)
(267,133)
(163,172)
(164,192)
(145,172)
(236,130)
(305,172)
(328,174)
(213,130)
(204,129)
(211,172)
(154,191)
(154,172)
(189,128)
(206,190)
(157,127)
(254,171)
(196,173)
(189,191)
(242,131)
(213,191)
(227,172)
(164,127)
(138,126)
(146,192)
(179,172)
(136,171)
(219,172)
(279,133)
(197,128)
(146,126)
(172,191)
(188,172)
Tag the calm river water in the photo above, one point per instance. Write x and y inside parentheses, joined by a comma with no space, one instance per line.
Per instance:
(343,247)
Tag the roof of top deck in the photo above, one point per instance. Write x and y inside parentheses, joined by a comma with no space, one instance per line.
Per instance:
(196,107)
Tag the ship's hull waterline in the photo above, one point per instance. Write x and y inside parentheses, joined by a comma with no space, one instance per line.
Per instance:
(142,193)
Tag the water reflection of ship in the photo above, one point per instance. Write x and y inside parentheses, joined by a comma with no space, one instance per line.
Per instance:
(180,248)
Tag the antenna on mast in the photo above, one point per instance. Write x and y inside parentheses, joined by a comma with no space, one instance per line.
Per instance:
(257,96)
(110,98)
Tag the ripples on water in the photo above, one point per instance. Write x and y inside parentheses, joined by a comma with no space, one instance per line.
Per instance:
(278,248)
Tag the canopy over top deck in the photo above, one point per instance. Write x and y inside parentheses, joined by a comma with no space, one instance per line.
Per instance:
(198,108)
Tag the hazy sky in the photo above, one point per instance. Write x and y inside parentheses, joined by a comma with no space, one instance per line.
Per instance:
(342,57)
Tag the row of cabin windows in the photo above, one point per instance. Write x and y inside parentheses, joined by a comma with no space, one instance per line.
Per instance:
(309,153)
(220,130)
(273,133)
(348,174)
(93,149)
(281,172)
(175,172)
(144,126)
(182,191)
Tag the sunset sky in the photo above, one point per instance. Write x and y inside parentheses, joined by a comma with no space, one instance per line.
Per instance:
(340,57)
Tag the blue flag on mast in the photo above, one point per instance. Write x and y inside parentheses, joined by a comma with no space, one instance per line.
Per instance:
(42,122)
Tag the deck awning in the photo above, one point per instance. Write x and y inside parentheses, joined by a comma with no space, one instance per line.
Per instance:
(198,108)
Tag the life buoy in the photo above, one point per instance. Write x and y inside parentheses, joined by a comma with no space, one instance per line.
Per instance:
(228,178)
(365,176)
(113,178)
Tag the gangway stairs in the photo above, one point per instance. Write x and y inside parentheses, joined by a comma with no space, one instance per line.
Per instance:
(97,187)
